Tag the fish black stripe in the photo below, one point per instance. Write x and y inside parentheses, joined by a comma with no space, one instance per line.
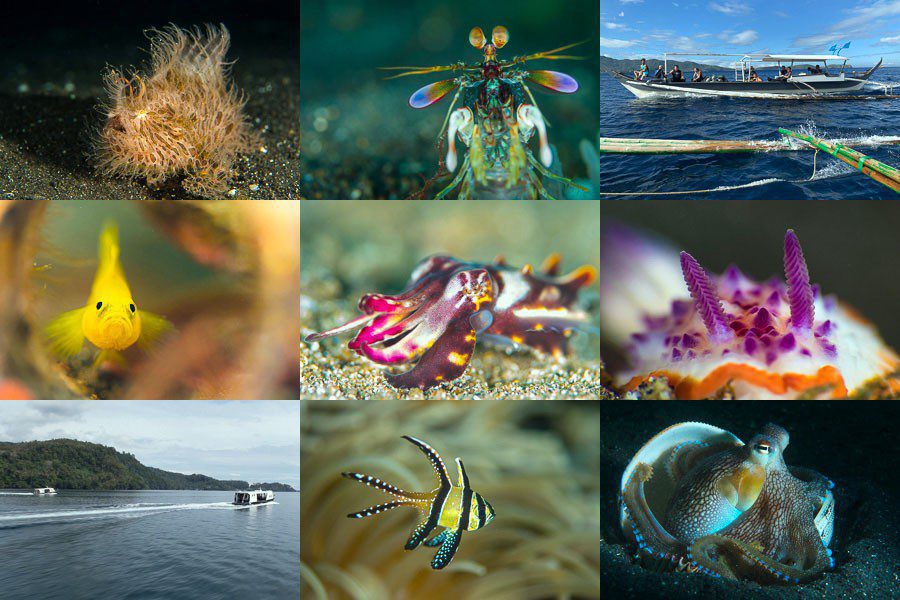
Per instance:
(437,507)
(481,511)
(465,509)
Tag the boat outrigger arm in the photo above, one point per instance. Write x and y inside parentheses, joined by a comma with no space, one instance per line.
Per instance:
(800,84)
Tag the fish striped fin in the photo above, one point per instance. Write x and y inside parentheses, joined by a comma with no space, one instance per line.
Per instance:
(384,487)
(419,534)
(447,550)
(439,467)
(379,508)
(438,539)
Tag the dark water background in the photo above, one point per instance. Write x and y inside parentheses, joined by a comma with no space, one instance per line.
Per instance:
(360,138)
(178,545)
(857,124)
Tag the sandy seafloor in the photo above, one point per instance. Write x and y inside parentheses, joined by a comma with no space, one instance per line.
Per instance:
(850,443)
(49,94)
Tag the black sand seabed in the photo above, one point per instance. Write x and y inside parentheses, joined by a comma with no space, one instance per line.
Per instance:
(852,443)
(48,105)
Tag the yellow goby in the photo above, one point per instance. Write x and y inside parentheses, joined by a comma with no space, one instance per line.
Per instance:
(110,320)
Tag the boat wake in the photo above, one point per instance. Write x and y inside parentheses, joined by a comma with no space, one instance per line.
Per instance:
(16,494)
(119,511)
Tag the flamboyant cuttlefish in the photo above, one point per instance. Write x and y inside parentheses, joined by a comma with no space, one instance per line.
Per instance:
(697,499)
(455,507)
(765,340)
(448,303)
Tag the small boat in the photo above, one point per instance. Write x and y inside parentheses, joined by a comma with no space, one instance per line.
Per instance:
(809,83)
(252,497)
(47,491)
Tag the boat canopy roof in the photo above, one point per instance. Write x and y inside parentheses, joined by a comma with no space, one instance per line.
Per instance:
(812,57)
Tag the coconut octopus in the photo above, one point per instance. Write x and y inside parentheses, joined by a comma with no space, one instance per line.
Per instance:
(695,498)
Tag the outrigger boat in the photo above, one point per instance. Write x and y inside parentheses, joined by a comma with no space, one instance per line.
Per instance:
(799,84)
(253,497)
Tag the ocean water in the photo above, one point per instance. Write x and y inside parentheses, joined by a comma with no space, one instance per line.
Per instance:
(863,125)
(178,545)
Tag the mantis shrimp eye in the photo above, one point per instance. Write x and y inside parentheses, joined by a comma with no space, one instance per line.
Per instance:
(476,37)
(500,35)
(131,306)
(99,305)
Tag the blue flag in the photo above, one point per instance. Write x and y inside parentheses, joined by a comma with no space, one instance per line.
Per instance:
(833,48)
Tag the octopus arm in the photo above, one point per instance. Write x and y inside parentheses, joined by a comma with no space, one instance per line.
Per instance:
(734,559)
(444,361)
(650,535)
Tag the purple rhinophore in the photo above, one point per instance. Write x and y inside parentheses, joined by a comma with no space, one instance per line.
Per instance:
(800,293)
(705,298)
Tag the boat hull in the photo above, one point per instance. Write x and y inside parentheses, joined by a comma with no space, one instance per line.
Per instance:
(269,501)
(741,89)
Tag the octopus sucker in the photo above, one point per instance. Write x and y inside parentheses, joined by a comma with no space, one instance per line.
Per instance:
(448,305)
(730,334)
(727,509)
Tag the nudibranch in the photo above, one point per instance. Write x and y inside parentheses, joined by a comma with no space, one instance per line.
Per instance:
(765,340)
(456,508)
(697,499)
(448,304)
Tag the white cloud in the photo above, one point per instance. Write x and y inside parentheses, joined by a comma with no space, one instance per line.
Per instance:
(730,7)
(889,40)
(747,36)
(631,1)
(614,43)
(259,440)
(864,19)
(622,13)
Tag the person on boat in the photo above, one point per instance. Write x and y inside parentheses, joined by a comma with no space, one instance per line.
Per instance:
(643,71)
(677,75)
(754,77)
(660,74)
(698,75)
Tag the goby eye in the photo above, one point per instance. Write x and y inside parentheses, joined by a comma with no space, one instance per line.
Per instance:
(99,305)
(131,306)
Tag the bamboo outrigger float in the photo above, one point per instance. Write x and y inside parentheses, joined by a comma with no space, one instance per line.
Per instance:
(651,146)
(880,172)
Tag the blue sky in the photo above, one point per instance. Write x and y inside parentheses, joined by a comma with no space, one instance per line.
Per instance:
(635,28)
(257,441)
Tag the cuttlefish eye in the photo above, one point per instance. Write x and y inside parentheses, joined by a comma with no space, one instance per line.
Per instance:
(762,448)
(99,305)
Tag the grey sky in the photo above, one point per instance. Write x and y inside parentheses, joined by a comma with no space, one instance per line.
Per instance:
(253,440)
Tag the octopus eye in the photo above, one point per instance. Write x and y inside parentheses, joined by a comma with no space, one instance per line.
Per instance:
(131,306)
(762,448)
(99,305)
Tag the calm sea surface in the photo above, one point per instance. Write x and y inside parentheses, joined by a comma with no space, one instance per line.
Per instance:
(862,125)
(128,545)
